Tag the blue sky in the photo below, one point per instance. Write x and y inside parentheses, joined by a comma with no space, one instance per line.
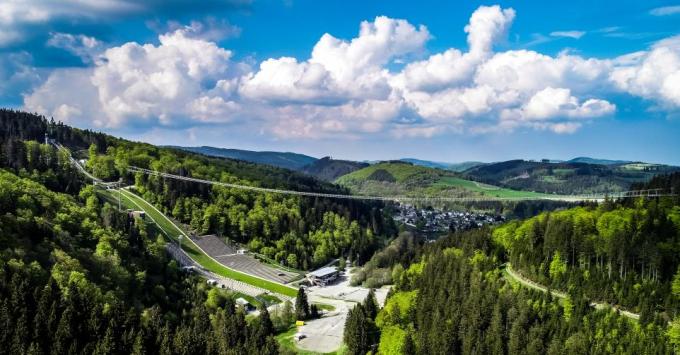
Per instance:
(445,81)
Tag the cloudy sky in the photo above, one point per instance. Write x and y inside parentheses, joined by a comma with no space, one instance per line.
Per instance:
(356,79)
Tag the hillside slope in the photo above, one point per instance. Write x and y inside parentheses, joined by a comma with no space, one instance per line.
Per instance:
(329,169)
(270,224)
(566,177)
(457,167)
(589,160)
(398,178)
(293,161)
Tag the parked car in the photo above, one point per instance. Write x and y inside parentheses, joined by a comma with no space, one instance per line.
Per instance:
(189,269)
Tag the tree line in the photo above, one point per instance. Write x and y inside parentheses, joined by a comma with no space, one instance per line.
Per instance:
(296,231)
(455,300)
(77,276)
(624,253)
(452,296)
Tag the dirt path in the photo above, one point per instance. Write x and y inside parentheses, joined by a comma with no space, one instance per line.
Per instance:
(536,286)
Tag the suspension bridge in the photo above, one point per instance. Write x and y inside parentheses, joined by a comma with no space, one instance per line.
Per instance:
(649,193)
(590,197)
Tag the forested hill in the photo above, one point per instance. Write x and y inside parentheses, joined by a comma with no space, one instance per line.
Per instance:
(454,297)
(301,232)
(589,160)
(456,300)
(457,167)
(566,177)
(329,169)
(292,161)
(399,178)
(79,276)
(17,126)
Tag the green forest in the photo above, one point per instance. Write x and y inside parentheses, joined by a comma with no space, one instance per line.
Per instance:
(456,301)
(626,254)
(569,177)
(299,232)
(79,276)
(454,296)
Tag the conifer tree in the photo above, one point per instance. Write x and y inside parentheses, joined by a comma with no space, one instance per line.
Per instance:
(266,325)
(409,347)
(355,331)
(371,307)
(301,305)
(314,311)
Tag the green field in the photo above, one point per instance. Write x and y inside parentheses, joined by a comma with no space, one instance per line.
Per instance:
(488,190)
(172,231)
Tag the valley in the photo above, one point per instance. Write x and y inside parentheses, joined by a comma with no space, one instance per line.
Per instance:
(248,177)
(235,232)
(405,179)
(513,179)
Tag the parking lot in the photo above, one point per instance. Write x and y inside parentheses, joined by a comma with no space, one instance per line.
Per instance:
(325,334)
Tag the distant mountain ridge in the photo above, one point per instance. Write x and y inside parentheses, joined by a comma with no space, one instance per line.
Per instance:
(567,177)
(457,167)
(589,160)
(578,175)
(401,178)
(288,160)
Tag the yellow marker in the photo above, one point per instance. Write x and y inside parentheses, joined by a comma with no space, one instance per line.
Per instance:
(299,323)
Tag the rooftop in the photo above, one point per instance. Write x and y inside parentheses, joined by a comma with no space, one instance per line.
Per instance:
(324,271)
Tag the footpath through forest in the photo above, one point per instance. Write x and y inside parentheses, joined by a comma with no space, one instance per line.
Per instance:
(536,286)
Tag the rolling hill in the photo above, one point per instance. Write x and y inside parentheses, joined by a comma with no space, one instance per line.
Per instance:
(589,160)
(329,169)
(398,178)
(458,167)
(566,177)
(292,161)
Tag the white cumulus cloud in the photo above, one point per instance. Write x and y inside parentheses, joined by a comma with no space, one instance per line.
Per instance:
(488,25)
(339,70)
(382,81)
(83,46)
(558,102)
(654,74)
(140,83)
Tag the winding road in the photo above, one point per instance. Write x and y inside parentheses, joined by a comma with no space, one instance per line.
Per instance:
(536,286)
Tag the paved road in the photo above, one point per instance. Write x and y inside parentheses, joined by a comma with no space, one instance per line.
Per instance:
(325,334)
(531,284)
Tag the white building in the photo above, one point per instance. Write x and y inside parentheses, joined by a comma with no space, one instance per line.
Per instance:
(323,276)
